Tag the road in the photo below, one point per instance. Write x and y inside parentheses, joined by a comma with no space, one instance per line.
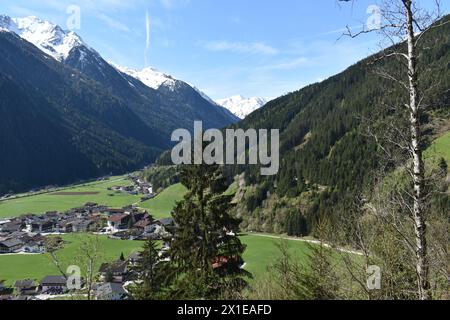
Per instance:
(317,242)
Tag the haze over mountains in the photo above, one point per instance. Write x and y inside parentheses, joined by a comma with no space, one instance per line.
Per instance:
(67,114)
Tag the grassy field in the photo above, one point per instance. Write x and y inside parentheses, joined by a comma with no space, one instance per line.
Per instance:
(440,148)
(263,252)
(17,267)
(260,254)
(161,206)
(52,202)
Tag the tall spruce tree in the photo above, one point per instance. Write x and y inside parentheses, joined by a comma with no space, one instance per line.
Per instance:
(150,272)
(206,253)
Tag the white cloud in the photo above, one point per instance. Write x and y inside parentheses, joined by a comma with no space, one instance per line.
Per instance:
(241,47)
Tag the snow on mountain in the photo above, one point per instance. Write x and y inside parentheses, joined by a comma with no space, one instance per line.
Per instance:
(150,77)
(58,43)
(48,37)
(241,106)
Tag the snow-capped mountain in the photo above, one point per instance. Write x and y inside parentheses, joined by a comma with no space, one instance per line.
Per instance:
(149,76)
(48,37)
(241,106)
(176,103)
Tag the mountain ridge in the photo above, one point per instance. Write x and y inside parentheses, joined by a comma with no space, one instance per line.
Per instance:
(241,106)
(102,121)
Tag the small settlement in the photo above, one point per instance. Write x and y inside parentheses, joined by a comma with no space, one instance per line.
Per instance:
(29,234)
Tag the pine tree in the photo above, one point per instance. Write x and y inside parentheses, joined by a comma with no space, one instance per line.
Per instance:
(150,273)
(206,253)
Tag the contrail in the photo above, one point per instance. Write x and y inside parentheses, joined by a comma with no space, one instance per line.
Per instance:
(147,47)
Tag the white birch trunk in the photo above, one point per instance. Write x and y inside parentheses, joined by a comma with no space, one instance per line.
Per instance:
(422,266)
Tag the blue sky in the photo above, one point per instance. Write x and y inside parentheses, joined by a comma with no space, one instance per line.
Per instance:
(259,48)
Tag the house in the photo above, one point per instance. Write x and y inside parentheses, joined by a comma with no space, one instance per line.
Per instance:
(110,291)
(54,285)
(134,258)
(11,246)
(81,225)
(13,226)
(64,226)
(119,222)
(143,220)
(115,271)
(167,222)
(43,226)
(34,247)
(26,287)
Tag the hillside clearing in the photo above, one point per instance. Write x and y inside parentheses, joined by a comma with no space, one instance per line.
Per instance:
(162,205)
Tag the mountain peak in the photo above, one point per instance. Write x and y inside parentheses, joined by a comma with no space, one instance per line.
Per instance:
(149,76)
(47,36)
(242,106)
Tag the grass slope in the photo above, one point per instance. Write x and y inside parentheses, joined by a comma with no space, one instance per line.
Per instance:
(17,267)
(440,148)
(263,252)
(162,205)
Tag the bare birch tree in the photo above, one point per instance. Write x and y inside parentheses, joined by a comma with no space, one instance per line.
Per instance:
(89,255)
(403,21)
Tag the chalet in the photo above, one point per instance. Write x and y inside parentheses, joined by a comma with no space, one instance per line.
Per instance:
(167,222)
(110,291)
(64,226)
(81,225)
(54,285)
(12,226)
(148,236)
(112,211)
(42,225)
(143,223)
(11,246)
(114,272)
(34,247)
(119,222)
(52,215)
(134,258)
(26,287)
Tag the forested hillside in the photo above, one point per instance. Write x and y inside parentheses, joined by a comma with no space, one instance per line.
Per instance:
(327,155)
(164,109)
(58,126)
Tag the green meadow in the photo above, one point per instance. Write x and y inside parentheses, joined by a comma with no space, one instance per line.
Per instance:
(440,148)
(36,267)
(162,205)
(261,253)
(51,201)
